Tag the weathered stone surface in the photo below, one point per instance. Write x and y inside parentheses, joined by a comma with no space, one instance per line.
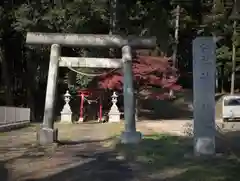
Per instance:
(90,40)
(204,66)
(204,146)
(90,62)
(66,113)
(114,113)
(51,86)
(131,137)
(47,136)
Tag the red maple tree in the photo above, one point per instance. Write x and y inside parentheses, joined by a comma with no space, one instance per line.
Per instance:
(153,75)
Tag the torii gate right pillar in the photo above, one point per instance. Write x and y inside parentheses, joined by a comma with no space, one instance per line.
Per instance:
(129,135)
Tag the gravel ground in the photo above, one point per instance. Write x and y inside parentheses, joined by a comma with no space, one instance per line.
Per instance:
(84,152)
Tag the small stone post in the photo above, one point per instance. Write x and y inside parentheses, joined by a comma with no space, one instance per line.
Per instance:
(66,114)
(129,135)
(114,113)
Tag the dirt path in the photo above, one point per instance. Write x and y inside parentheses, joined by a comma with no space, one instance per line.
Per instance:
(83,153)
(83,150)
(24,160)
(184,127)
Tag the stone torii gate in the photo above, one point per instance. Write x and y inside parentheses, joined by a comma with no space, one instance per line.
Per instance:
(47,133)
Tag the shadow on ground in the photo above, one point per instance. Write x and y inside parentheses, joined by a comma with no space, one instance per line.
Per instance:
(157,158)
(69,142)
(99,167)
(3,171)
(164,110)
(164,157)
(87,161)
(178,108)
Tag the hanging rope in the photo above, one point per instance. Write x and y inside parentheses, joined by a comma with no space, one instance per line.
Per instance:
(91,75)
(91,100)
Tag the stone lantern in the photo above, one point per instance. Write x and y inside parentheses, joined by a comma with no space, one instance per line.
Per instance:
(114,113)
(66,114)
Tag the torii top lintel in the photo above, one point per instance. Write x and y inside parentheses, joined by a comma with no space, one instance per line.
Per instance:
(90,40)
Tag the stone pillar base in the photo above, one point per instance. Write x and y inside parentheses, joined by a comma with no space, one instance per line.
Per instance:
(47,136)
(204,146)
(131,137)
(66,118)
(114,118)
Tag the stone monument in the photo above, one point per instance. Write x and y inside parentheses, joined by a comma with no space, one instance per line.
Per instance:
(66,114)
(114,113)
(204,66)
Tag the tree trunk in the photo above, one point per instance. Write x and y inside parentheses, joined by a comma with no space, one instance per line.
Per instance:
(30,86)
(31,104)
(113,23)
(136,108)
(71,79)
(222,78)
(6,80)
(175,49)
(233,59)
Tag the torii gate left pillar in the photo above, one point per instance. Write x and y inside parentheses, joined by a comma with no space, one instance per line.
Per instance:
(47,133)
